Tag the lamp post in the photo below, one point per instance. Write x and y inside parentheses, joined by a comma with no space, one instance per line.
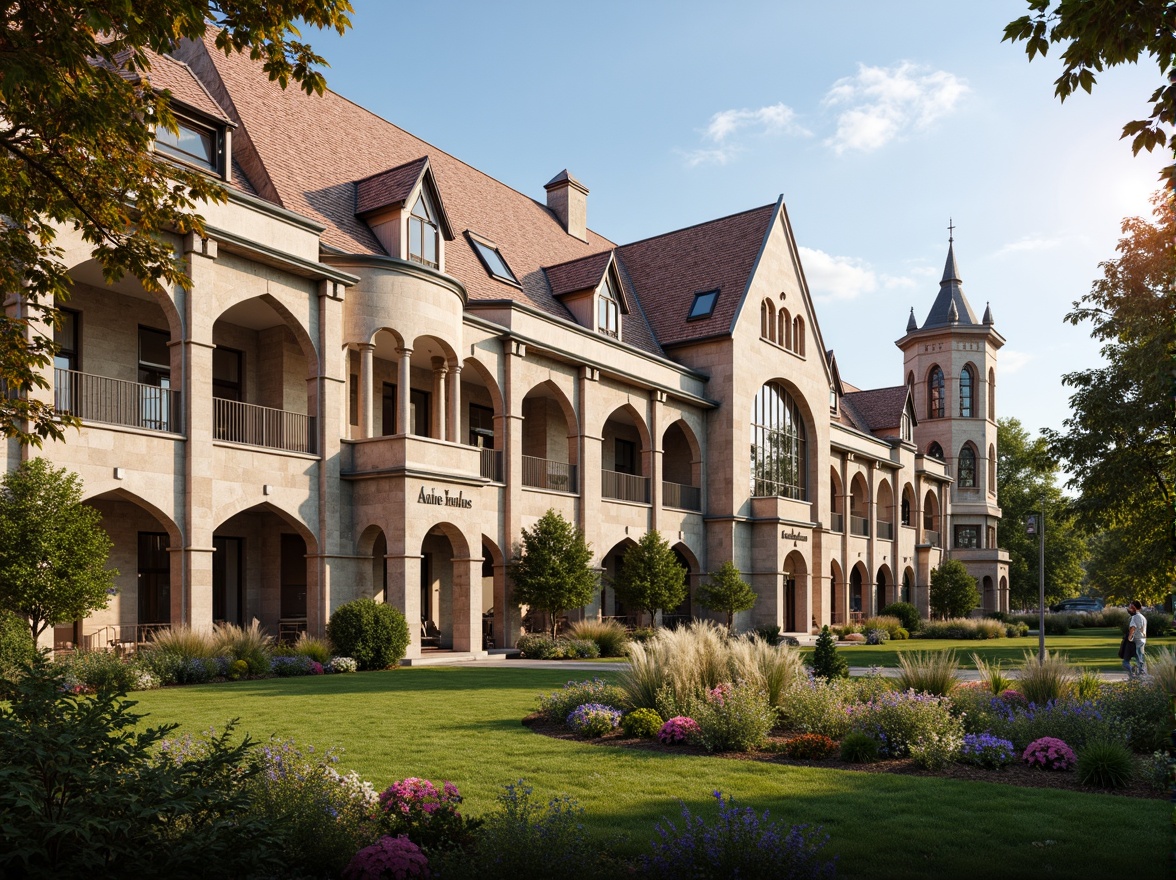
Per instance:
(1035,525)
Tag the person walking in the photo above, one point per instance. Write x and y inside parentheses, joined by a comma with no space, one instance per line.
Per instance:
(1137,637)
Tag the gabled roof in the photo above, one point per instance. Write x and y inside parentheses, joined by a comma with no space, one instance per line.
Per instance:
(879,408)
(392,188)
(576,275)
(669,269)
(176,77)
(951,307)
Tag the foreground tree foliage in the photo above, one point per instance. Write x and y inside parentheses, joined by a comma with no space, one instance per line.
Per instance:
(1120,441)
(78,117)
(53,552)
(1027,472)
(650,577)
(953,590)
(552,571)
(727,592)
(1107,33)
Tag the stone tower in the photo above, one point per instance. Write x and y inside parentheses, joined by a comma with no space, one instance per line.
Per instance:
(950,364)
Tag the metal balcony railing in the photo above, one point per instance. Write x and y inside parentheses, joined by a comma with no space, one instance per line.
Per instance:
(554,476)
(255,425)
(681,496)
(491,465)
(115,401)
(837,522)
(859,525)
(885,530)
(624,487)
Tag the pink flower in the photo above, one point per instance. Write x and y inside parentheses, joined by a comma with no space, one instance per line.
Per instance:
(389,858)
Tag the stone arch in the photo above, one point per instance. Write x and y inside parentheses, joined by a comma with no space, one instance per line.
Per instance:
(448,608)
(499,621)
(967,465)
(242,505)
(908,586)
(836,594)
(859,505)
(931,518)
(988,599)
(991,394)
(992,469)
(907,505)
(795,587)
(884,510)
(768,320)
(373,543)
(121,494)
(798,335)
(785,328)
(859,590)
(685,610)
(550,457)
(89,271)
(886,586)
(836,500)
(610,605)
(773,397)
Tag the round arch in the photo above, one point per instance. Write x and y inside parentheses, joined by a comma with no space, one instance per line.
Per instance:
(859,585)
(770,401)
(908,585)
(886,586)
(89,271)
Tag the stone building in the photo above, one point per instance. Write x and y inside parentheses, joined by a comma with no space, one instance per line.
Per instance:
(389,364)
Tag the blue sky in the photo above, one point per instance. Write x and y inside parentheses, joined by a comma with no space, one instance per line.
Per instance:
(876,121)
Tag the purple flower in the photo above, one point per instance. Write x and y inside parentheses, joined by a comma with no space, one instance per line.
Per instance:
(678,729)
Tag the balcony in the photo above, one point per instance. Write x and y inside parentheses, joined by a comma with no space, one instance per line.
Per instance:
(681,496)
(837,522)
(885,530)
(490,465)
(255,425)
(624,487)
(116,402)
(859,525)
(553,476)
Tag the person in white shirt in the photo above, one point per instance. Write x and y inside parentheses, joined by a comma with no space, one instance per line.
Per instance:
(1137,635)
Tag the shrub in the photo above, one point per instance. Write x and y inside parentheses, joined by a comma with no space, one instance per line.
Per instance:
(963,628)
(373,633)
(825,660)
(897,721)
(643,723)
(859,748)
(936,750)
(318,650)
(342,665)
(581,649)
(1157,769)
(238,669)
(1087,685)
(1105,764)
(986,750)
(1142,709)
(953,591)
(176,669)
(185,642)
(818,706)
(1116,617)
(99,671)
(594,719)
(608,635)
(907,614)
(1016,629)
(1158,623)
(642,634)
(1048,753)
(426,815)
(250,644)
(768,634)
(901,634)
(389,858)
(738,843)
(885,622)
(928,672)
(810,747)
(877,636)
(1076,723)
(287,667)
(1057,624)
(540,646)
(16,645)
(991,675)
(558,705)
(733,718)
(678,729)
(1051,679)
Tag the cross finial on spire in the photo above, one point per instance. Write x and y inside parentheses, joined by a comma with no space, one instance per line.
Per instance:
(950,231)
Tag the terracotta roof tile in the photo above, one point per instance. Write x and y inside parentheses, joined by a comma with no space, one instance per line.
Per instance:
(389,187)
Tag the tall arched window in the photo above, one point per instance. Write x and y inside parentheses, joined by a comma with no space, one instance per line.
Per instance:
(785,322)
(992,395)
(779,462)
(992,470)
(798,335)
(422,234)
(967,467)
(768,320)
(935,395)
(967,386)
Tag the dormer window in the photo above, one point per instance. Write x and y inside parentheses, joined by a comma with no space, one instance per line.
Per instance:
(422,234)
(193,144)
(608,309)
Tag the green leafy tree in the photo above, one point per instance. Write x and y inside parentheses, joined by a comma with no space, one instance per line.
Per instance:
(825,660)
(1119,443)
(553,570)
(953,590)
(1103,34)
(650,577)
(1027,471)
(78,118)
(727,592)
(53,553)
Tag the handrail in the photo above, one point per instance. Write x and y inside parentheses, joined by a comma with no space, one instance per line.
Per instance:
(111,401)
(624,487)
(554,476)
(681,496)
(255,425)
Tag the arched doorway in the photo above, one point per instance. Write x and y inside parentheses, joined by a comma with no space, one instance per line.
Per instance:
(908,586)
(859,600)
(612,607)
(836,611)
(795,582)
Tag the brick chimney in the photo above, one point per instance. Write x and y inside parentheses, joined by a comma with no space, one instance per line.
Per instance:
(568,198)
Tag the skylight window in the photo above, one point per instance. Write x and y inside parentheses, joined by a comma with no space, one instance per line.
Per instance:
(703,305)
(492,259)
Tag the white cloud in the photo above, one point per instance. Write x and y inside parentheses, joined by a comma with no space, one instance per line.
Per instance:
(880,104)
(1012,361)
(1028,245)
(836,278)
(727,129)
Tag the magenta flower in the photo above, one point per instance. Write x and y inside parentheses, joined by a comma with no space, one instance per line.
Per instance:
(389,858)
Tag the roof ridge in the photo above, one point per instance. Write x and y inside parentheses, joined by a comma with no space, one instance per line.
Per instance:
(698,225)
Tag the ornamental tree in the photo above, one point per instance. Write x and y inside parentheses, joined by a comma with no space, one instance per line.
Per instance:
(552,571)
(727,592)
(953,590)
(53,553)
(78,117)
(650,577)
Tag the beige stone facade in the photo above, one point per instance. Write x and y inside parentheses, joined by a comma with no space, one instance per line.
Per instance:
(346,409)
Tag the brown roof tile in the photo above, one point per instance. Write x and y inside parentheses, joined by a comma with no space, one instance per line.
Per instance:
(577,274)
(176,77)
(880,408)
(389,187)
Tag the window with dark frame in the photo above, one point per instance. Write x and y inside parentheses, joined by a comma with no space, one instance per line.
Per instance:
(226,374)
(493,261)
(935,394)
(967,537)
(967,383)
(388,409)
(194,144)
(625,461)
(481,426)
(155,372)
(608,310)
(423,235)
(703,305)
(967,468)
(67,337)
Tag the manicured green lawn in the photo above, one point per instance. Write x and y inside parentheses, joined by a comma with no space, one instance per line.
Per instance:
(463,724)
(1091,648)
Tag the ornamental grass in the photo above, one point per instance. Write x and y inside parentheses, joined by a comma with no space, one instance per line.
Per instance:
(185,642)
(992,675)
(1161,665)
(928,672)
(609,636)
(1051,678)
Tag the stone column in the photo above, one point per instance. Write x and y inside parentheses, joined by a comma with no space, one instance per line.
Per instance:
(454,407)
(657,403)
(467,603)
(404,392)
(404,592)
(366,363)
(440,374)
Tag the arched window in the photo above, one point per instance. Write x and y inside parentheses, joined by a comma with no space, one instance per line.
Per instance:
(798,335)
(935,451)
(906,510)
(768,320)
(422,234)
(967,467)
(992,395)
(967,385)
(779,462)
(608,310)
(785,327)
(991,470)
(935,395)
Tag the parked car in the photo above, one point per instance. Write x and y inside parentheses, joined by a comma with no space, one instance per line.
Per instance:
(1079,604)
